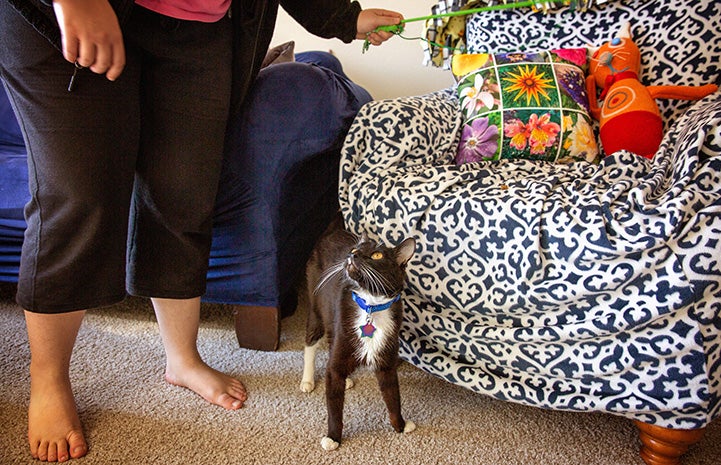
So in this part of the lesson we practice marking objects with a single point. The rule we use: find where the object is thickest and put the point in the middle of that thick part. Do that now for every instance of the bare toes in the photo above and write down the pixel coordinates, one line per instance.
(41, 451)
(238, 392)
(229, 402)
(62, 452)
(53, 452)
(77, 445)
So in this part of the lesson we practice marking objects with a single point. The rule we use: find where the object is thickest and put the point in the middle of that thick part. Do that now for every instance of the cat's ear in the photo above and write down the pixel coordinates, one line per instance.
(363, 237)
(405, 250)
(625, 30)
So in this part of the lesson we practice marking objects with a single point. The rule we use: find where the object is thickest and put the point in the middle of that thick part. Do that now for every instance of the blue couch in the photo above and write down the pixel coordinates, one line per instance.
(278, 189)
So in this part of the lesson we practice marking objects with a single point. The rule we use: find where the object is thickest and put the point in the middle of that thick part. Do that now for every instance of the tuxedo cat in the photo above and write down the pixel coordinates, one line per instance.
(354, 287)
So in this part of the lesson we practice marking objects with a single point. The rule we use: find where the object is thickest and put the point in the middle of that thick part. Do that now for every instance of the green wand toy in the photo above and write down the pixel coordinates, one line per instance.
(398, 28)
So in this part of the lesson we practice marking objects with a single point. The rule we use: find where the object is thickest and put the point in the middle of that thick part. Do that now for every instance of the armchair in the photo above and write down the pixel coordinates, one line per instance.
(581, 286)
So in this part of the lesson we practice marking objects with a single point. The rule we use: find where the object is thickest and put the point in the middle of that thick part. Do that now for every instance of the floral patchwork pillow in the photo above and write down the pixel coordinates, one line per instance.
(525, 105)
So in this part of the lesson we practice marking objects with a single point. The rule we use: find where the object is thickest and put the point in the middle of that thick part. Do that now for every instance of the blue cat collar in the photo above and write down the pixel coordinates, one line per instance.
(374, 308)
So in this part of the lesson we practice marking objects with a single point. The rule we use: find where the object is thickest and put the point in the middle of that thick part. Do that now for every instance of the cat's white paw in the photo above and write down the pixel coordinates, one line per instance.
(349, 383)
(307, 386)
(410, 426)
(328, 444)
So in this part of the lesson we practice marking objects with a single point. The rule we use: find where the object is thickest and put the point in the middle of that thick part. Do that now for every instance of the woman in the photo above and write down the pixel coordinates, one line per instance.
(123, 106)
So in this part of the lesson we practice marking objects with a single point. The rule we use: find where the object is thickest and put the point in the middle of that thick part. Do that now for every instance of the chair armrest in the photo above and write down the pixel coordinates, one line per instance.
(700, 121)
(418, 130)
(391, 139)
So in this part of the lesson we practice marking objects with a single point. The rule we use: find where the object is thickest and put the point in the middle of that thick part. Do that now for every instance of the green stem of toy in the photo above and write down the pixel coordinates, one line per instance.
(398, 28)
(500, 6)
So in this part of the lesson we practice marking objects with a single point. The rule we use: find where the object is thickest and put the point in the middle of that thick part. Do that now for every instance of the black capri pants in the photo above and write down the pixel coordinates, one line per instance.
(123, 175)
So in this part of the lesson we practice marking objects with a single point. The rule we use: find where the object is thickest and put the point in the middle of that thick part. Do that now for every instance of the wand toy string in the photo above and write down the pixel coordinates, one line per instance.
(398, 28)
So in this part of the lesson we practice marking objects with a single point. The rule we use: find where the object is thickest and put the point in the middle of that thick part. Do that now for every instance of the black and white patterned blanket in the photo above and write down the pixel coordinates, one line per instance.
(575, 287)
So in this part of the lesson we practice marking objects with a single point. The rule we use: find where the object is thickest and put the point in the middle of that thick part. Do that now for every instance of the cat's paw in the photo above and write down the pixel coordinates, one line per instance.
(307, 386)
(349, 383)
(410, 426)
(328, 444)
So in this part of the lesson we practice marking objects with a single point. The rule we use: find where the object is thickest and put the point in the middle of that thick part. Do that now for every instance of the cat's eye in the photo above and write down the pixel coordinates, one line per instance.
(377, 255)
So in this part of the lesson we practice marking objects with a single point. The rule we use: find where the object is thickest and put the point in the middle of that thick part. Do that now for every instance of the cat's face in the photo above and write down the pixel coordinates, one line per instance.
(378, 269)
(617, 55)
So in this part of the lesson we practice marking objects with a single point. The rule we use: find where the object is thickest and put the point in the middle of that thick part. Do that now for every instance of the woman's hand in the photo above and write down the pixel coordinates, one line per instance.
(370, 19)
(91, 35)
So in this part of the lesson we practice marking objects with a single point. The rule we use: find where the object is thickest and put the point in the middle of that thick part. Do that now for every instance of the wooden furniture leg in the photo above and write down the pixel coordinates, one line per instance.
(257, 328)
(664, 446)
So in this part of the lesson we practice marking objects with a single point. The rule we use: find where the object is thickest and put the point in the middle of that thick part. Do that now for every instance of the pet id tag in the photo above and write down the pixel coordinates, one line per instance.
(367, 329)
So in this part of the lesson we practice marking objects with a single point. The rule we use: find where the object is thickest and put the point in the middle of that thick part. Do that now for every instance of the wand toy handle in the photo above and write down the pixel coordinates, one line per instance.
(393, 28)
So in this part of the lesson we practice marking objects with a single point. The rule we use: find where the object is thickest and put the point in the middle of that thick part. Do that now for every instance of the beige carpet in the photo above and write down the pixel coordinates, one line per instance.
(132, 416)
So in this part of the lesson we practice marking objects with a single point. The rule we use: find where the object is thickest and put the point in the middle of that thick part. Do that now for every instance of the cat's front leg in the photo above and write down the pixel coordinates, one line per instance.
(388, 383)
(335, 383)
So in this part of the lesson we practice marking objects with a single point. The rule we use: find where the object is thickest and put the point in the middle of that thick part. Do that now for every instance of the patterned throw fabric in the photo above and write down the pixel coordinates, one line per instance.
(573, 287)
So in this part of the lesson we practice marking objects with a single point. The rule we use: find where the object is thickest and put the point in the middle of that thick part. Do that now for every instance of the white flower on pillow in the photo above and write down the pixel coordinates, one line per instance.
(581, 142)
(477, 96)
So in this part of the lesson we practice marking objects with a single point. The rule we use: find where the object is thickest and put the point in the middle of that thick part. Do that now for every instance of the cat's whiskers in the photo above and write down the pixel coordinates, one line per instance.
(603, 58)
(328, 274)
(378, 284)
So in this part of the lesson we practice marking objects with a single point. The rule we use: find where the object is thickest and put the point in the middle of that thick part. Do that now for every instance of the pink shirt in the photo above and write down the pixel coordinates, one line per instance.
(191, 10)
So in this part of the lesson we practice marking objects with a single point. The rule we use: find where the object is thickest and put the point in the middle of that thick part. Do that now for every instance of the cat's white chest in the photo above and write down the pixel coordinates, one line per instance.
(371, 346)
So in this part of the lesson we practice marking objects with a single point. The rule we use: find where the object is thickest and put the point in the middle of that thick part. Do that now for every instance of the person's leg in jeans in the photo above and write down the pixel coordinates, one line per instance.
(185, 95)
(74, 247)
(82, 150)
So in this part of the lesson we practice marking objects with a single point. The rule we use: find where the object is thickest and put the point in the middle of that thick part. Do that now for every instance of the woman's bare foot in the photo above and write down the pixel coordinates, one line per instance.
(212, 385)
(178, 320)
(54, 430)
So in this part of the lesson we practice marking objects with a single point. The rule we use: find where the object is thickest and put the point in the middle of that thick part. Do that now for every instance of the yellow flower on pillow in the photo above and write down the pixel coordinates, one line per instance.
(465, 63)
(529, 82)
(582, 141)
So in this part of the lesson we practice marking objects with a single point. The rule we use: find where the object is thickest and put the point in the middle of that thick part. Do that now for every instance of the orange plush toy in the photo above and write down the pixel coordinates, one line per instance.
(629, 116)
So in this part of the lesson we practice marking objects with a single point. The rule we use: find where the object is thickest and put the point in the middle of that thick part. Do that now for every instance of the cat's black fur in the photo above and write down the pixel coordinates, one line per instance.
(340, 264)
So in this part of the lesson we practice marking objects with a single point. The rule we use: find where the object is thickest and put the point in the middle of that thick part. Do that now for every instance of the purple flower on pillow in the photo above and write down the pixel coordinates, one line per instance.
(572, 81)
(479, 141)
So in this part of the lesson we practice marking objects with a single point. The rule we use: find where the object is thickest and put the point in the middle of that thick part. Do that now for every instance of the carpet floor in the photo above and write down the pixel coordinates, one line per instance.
(132, 416)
